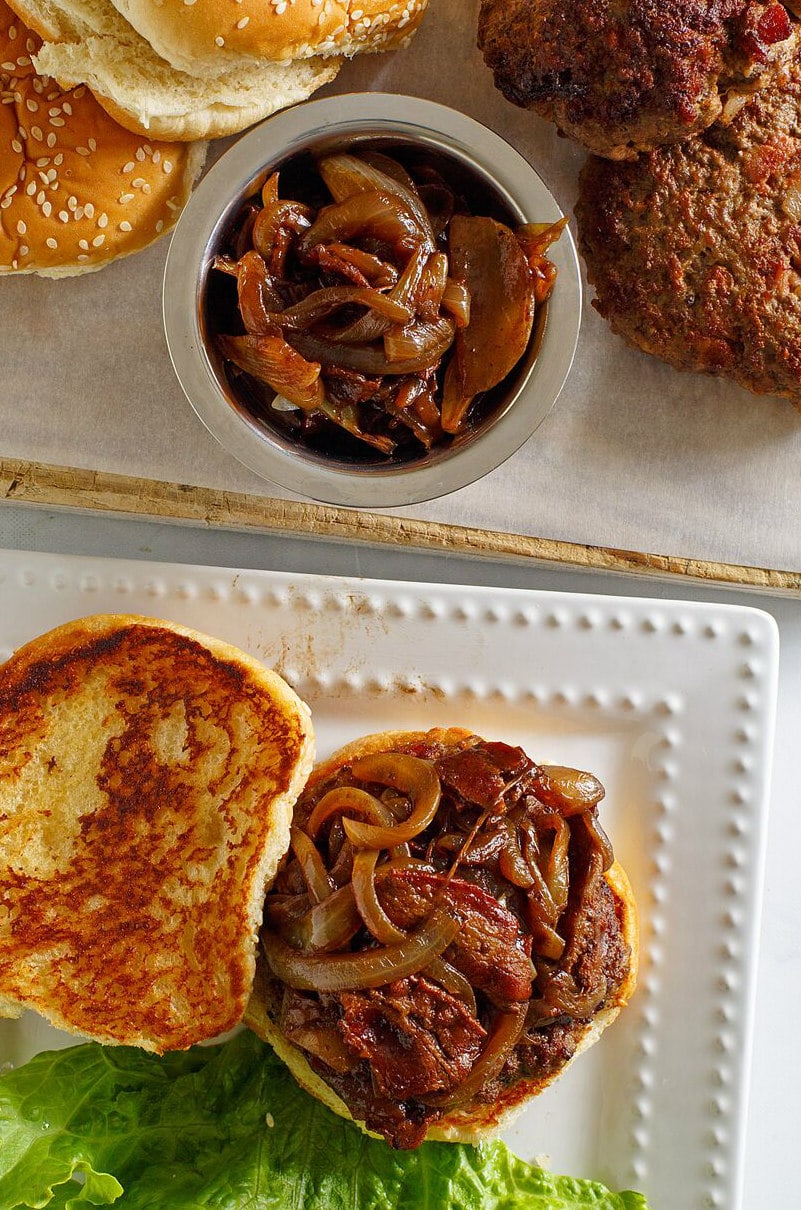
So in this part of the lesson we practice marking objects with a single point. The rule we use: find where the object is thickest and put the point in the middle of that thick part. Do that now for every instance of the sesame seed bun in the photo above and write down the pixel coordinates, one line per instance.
(76, 189)
(212, 35)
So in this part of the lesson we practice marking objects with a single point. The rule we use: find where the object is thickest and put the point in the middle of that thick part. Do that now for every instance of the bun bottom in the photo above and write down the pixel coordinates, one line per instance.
(480, 1121)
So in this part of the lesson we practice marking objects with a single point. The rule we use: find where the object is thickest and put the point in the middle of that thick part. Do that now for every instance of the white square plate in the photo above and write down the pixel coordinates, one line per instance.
(671, 704)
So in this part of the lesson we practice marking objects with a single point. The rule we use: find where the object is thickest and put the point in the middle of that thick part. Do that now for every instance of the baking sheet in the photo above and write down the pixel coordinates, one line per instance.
(634, 455)
(671, 703)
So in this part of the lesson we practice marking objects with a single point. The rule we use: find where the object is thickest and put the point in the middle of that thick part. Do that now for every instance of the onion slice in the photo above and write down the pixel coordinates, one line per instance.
(353, 799)
(370, 909)
(371, 968)
(417, 778)
(490, 1062)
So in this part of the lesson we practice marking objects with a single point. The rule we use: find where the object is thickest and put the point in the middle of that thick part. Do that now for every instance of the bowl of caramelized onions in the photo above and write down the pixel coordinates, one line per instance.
(372, 300)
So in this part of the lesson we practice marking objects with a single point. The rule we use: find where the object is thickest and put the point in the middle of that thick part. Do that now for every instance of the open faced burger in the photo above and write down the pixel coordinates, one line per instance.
(448, 931)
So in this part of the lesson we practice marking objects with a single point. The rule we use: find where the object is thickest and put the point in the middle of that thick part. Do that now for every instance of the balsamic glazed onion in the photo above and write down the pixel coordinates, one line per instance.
(388, 309)
(445, 898)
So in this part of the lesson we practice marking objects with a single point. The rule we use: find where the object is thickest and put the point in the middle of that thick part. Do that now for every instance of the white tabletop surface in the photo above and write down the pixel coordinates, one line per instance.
(634, 455)
(773, 1158)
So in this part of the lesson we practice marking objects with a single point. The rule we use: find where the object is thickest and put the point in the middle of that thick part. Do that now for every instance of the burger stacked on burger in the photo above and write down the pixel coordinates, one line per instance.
(443, 926)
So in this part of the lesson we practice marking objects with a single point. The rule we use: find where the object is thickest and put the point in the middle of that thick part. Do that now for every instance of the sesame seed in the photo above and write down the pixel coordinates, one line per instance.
(57, 122)
(72, 202)
(280, 7)
(242, 22)
(82, 256)
(59, 159)
(89, 210)
(145, 187)
(51, 138)
(125, 226)
(16, 146)
(63, 216)
(219, 40)
(67, 109)
(37, 133)
(47, 209)
(157, 156)
(51, 243)
(31, 188)
(82, 243)
(21, 227)
(6, 202)
(129, 167)
(79, 92)
(102, 220)
(125, 197)
(168, 166)
(82, 150)
(8, 66)
(24, 250)
(98, 241)
(40, 197)
(92, 144)
(78, 214)
(160, 226)
(138, 182)
(31, 106)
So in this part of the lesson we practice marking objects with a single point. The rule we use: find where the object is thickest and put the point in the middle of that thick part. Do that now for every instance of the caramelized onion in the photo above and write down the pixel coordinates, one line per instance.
(600, 839)
(332, 923)
(321, 303)
(346, 175)
(561, 993)
(371, 359)
(568, 791)
(270, 359)
(375, 918)
(311, 864)
(453, 981)
(508, 1028)
(370, 968)
(375, 214)
(354, 800)
(326, 1044)
(417, 778)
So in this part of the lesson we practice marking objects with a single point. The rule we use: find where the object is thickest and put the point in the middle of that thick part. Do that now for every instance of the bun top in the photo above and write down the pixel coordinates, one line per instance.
(76, 190)
(147, 779)
(211, 34)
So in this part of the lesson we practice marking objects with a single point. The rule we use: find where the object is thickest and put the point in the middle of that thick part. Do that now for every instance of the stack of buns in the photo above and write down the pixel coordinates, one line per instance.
(181, 71)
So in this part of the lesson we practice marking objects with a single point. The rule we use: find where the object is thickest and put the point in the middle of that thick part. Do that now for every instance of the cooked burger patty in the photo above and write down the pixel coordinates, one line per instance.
(628, 75)
(539, 950)
(694, 250)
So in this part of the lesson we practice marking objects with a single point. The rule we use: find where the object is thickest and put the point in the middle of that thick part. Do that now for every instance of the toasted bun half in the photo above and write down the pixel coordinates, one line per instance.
(76, 189)
(482, 1116)
(214, 35)
(147, 779)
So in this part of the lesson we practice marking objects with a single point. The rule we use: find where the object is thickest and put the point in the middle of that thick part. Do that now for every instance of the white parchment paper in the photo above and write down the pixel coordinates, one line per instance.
(635, 455)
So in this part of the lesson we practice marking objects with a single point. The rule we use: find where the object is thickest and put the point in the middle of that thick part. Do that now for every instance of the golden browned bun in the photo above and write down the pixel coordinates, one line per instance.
(147, 779)
(478, 1119)
(89, 42)
(76, 190)
(213, 35)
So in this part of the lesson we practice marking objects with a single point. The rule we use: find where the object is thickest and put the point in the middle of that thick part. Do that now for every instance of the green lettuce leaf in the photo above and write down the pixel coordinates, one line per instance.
(226, 1127)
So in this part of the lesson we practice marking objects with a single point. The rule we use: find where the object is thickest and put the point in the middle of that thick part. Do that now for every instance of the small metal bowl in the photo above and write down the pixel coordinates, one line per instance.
(529, 391)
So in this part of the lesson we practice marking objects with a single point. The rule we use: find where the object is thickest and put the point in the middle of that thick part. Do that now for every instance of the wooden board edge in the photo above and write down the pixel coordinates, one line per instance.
(34, 483)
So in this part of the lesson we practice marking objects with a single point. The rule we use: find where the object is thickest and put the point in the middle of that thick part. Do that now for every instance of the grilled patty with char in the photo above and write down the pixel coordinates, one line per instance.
(694, 250)
(624, 76)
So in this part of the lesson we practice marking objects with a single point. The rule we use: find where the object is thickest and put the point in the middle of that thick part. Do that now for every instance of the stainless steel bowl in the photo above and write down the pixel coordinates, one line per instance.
(323, 125)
